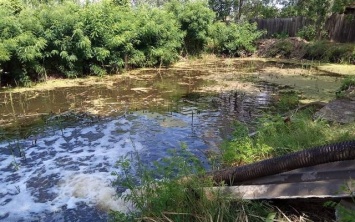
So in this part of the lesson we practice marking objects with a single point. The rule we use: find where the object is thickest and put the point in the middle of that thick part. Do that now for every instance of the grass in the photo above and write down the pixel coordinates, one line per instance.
(173, 190)
(347, 83)
(277, 135)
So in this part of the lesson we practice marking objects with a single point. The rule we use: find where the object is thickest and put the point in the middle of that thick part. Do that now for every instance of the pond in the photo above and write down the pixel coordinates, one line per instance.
(60, 145)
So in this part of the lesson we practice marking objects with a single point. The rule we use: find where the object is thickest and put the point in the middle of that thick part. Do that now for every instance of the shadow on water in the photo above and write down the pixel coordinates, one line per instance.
(62, 172)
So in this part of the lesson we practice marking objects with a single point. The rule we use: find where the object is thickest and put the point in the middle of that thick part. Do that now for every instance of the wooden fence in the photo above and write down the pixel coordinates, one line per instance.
(341, 27)
(282, 26)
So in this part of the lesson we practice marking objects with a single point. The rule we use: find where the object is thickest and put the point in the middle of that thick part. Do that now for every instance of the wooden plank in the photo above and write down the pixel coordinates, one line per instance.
(321, 181)
(318, 189)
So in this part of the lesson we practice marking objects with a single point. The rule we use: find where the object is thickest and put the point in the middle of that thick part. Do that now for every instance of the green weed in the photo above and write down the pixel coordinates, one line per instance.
(346, 84)
(330, 52)
(345, 213)
(277, 135)
(173, 190)
(282, 48)
(288, 100)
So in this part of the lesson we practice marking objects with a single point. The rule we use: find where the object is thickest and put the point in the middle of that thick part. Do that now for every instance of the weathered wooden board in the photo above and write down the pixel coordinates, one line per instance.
(320, 181)
(340, 27)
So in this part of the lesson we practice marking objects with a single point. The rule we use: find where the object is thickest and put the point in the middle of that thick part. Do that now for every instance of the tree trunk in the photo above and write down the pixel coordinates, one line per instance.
(240, 5)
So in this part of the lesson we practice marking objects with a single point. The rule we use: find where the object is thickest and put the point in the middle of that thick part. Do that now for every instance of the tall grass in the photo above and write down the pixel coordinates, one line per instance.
(173, 190)
(277, 135)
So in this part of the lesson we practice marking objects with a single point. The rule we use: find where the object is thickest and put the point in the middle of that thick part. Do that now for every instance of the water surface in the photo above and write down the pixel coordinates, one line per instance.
(62, 172)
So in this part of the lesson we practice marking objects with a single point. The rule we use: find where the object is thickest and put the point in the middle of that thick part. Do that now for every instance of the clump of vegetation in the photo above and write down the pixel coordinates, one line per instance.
(173, 189)
(242, 149)
(308, 33)
(348, 82)
(277, 135)
(73, 40)
(344, 212)
(70, 39)
(287, 100)
(234, 39)
(330, 52)
(195, 18)
(282, 35)
(282, 48)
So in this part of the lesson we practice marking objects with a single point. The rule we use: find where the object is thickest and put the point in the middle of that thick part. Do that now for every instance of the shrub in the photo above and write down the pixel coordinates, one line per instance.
(242, 149)
(74, 40)
(282, 48)
(330, 52)
(158, 38)
(233, 39)
(347, 83)
(282, 35)
(307, 32)
(288, 100)
(195, 19)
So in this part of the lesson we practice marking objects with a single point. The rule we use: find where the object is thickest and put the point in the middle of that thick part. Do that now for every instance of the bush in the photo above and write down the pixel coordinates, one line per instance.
(347, 83)
(307, 32)
(282, 48)
(21, 46)
(233, 39)
(195, 19)
(330, 52)
(158, 38)
(242, 149)
(75, 40)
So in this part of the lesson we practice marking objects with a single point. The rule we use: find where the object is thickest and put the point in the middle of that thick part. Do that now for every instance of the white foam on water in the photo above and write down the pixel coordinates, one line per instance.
(94, 189)
(65, 171)
(62, 174)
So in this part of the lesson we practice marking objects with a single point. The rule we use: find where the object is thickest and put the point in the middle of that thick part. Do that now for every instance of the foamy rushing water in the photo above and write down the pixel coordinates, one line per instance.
(66, 177)
(64, 171)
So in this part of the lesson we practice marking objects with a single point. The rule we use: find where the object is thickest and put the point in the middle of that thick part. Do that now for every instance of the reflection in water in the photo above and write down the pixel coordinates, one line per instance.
(104, 99)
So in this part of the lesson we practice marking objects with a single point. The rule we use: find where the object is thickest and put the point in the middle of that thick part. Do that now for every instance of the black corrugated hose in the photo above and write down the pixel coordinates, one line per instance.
(305, 158)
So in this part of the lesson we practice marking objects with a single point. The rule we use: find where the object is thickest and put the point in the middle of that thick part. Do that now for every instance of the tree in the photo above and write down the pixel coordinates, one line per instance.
(234, 39)
(195, 19)
(222, 8)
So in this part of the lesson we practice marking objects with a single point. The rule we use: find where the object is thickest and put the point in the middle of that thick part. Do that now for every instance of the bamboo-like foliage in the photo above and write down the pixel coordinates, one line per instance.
(71, 39)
